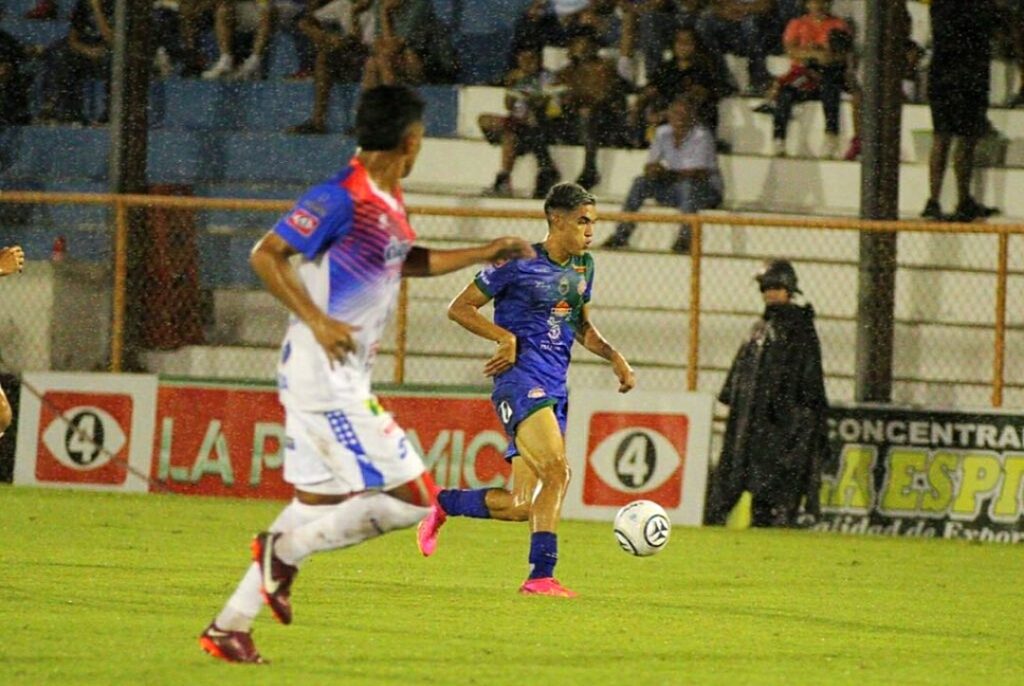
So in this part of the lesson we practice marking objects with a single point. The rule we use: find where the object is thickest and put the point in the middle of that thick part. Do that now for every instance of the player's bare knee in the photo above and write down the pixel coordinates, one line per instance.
(555, 473)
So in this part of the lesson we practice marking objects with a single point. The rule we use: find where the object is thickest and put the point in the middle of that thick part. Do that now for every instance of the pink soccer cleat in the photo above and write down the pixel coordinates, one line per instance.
(427, 531)
(546, 586)
(276, 577)
(230, 646)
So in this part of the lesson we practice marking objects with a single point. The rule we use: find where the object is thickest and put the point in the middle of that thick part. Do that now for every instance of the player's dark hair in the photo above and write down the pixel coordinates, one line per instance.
(384, 114)
(565, 197)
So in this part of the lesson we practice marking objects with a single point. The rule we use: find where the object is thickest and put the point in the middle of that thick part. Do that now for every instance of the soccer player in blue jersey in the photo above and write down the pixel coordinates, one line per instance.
(336, 261)
(541, 305)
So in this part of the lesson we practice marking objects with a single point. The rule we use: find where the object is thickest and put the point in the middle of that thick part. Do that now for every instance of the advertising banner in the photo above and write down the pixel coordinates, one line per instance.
(86, 431)
(921, 473)
(640, 446)
(224, 439)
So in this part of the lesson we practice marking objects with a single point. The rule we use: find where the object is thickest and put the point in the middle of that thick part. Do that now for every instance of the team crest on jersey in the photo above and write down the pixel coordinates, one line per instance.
(535, 393)
(563, 285)
(303, 221)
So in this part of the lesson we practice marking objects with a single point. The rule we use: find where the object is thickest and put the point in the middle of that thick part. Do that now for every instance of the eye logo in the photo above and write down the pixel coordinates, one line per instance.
(635, 460)
(87, 441)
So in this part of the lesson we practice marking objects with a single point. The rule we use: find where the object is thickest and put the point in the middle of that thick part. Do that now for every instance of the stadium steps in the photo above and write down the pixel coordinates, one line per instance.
(750, 133)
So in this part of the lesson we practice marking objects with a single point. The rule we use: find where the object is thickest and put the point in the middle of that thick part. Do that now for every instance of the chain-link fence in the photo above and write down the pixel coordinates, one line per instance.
(203, 314)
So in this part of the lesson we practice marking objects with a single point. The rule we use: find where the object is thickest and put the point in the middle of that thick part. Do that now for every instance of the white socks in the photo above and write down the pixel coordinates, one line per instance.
(353, 521)
(309, 529)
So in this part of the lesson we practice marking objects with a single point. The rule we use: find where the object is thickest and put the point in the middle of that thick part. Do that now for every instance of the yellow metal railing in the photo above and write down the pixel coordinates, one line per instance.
(700, 226)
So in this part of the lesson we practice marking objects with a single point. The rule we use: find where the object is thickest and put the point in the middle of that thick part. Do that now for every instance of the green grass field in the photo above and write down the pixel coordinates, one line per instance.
(113, 589)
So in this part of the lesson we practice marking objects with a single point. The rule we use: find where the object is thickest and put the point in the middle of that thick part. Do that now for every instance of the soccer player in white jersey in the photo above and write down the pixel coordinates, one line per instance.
(355, 474)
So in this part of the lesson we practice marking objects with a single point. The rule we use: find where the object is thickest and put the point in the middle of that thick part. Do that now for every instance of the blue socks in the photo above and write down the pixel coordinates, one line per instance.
(543, 554)
(461, 503)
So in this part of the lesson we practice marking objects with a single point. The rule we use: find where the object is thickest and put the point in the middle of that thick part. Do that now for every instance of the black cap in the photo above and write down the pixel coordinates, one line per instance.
(778, 274)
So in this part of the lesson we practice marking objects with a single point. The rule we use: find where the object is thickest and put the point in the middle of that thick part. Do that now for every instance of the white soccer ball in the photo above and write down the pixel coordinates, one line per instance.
(642, 528)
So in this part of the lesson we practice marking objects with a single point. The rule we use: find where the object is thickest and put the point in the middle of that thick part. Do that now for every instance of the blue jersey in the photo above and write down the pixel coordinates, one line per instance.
(541, 302)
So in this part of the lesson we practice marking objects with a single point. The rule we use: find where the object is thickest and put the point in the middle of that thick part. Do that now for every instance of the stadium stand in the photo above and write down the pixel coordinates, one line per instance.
(224, 139)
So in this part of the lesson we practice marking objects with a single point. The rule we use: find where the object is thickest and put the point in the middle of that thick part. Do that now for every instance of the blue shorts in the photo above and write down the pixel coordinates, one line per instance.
(514, 402)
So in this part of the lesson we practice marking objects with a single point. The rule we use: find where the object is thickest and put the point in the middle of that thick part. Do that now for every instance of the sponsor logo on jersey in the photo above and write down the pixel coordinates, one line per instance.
(303, 221)
(581, 287)
(535, 393)
(561, 309)
(580, 268)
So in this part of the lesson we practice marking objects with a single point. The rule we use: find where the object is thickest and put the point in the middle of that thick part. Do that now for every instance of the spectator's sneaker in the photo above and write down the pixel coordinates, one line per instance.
(619, 239)
(546, 586)
(682, 244)
(427, 531)
(501, 188)
(853, 152)
(44, 9)
(830, 148)
(546, 178)
(249, 69)
(588, 178)
(230, 646)
(276, 577)
(220, 69)
(306, 128)
(932, 210)
(970, 209)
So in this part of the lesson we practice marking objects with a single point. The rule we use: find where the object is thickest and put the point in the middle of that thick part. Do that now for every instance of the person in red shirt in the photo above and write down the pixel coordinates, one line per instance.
(820, 46)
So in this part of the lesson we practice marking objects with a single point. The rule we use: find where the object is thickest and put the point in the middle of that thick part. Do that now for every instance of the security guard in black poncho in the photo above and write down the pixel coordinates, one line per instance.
(776, 435)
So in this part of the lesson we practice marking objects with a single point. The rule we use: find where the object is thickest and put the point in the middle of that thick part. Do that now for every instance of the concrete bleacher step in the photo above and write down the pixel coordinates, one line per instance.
(273, 105)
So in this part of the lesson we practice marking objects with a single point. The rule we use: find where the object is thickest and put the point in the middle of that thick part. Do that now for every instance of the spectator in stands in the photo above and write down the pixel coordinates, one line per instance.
(537, 27)
(15, 83)
(249, 17)
(593, 103)
(43, 10)
(70, 62)
(691, 72)
(681, 171)
(525, 128)
(658, 21)
(820, 46)
(958, 87)
(1012, 34)
(777, 433)
(413, 46)
(342, 32)
(740, 27)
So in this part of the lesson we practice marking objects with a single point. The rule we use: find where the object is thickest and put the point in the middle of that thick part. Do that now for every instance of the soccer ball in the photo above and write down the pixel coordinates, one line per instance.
(642, 528)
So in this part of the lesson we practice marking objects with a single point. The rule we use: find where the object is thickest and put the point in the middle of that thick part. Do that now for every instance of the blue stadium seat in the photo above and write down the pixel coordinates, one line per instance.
(34, 32)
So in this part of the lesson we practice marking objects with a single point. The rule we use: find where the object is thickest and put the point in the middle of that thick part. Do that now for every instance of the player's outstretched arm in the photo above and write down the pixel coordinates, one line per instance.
(591, 339)
(12, 260)
(270, 260)
(431, 262)
(465, 311)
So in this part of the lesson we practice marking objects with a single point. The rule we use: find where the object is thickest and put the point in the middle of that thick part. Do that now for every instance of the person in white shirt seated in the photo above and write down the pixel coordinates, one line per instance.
(681, 171)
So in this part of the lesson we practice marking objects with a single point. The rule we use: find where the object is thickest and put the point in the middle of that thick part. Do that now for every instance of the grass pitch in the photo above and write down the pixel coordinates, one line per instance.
(114, 589)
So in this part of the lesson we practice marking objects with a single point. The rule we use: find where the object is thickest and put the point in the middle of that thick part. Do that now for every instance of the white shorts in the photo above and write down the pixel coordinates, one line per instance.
(346, 451)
